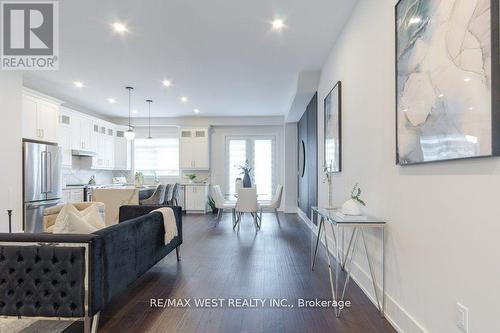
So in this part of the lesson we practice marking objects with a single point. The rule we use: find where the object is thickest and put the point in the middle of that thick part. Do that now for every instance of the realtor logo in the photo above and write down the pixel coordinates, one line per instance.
(29, 35)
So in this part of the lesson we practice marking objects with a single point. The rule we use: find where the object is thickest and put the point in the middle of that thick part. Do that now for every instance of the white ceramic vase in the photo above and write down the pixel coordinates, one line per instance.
(351, 207)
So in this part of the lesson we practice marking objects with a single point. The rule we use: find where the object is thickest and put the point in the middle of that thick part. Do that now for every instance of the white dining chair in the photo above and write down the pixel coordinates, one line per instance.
(274, 203)
(238, 183)
(221, 204)
(247, 203)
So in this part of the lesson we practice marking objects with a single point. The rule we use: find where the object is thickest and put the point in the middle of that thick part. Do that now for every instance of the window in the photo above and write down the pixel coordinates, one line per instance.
(237, 156)
(263, 166)
(260, 155)
(160, 156)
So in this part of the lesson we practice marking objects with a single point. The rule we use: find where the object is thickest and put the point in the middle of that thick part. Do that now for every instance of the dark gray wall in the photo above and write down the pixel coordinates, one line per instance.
(308, 133)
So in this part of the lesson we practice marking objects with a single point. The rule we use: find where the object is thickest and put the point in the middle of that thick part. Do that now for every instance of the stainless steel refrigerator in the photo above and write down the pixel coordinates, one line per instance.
(42, 182)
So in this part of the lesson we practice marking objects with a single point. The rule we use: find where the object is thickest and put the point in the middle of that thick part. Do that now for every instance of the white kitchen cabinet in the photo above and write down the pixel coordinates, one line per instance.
(64, 138)
(72, 195)
(96, 143)
(99, 137)
(103, 141)
(77, 195)
(86, 133)
(45, 120)
(122, 151)
(109, 152)
(40, 117)
(81, 133)
(48, 119)
(195, 198)
(66, 196)
(194, 149)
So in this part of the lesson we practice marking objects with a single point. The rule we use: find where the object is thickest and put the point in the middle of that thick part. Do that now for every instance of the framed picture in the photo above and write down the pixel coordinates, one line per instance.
(333, 131)
(446, 95)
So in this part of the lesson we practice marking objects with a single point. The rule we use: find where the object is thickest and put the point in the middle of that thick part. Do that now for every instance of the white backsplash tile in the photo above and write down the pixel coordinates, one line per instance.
(81, 172)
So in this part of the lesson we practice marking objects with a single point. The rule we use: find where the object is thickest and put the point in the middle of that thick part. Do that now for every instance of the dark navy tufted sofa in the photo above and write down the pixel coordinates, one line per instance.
(74, 275)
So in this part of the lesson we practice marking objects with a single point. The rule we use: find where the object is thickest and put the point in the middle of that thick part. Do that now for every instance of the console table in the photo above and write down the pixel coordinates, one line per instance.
(344, 260)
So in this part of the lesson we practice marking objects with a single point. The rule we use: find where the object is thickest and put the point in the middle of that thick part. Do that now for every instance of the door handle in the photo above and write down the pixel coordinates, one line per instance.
(43, 167)
(42, 204)
(49, 173)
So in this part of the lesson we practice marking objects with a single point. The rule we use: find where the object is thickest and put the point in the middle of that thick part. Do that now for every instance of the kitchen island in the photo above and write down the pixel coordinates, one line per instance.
(117, 196)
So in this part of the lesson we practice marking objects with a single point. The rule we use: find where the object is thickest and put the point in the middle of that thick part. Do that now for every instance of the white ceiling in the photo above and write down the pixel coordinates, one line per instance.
(222, 54)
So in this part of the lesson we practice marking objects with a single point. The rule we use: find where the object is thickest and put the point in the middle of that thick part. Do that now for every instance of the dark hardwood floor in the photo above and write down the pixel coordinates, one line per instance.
(222, 263)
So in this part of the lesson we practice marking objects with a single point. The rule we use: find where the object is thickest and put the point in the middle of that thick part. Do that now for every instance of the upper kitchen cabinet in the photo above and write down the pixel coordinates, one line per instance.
(103, 141)
(123, 159)
(64, 137)
(109, 148)
(40, 116)
(194, 149)
(81, 133)
(98, 132)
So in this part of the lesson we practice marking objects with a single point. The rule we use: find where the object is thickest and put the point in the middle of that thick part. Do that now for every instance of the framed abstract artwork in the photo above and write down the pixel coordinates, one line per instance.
(333, 128)
(446, 73)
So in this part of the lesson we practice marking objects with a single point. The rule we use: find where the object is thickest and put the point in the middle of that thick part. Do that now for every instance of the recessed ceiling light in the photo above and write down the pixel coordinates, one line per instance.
(441, 95)
(184, 99)
(467, 79)
(196, 111)
(278, 24)
(166, 83)
(111, 100)
(134, 111)
(119, 27)
(78, 84)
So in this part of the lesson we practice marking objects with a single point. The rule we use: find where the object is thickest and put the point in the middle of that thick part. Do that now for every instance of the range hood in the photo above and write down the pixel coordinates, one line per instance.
(83, 153)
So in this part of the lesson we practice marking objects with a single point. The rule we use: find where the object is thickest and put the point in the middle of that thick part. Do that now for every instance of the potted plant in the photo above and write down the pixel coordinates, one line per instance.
(190, 176)
(245, 171)
(139, 178)
(211, 204)
(353, 205)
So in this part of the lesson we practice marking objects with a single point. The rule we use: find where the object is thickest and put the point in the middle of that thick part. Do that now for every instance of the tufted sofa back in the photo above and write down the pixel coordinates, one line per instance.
(43, 275)
(48, 275)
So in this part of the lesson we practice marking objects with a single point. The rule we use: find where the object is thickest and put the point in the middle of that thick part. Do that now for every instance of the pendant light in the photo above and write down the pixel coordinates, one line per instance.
(129, 135)
(149, 101)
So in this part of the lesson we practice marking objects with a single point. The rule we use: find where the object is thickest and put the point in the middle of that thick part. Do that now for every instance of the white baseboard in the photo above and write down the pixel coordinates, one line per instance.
(396, 315)
(304, 217)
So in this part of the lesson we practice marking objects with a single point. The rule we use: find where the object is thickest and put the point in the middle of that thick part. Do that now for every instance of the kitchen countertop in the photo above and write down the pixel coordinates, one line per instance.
(74, 187)
(125, 186)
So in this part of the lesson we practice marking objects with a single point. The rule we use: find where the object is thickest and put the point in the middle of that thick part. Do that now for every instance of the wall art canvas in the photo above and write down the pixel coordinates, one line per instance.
(333, 111)
(444, 80)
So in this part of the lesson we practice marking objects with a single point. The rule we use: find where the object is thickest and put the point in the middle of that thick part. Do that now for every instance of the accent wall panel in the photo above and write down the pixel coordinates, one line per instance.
(308, 157)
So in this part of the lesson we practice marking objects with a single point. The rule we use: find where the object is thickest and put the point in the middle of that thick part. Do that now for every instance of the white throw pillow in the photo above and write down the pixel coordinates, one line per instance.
(92, 216)
(70, 220)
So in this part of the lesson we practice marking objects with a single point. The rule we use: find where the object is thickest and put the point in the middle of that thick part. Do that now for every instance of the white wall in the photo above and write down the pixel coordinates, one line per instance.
(444, 228)
(11, 149)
